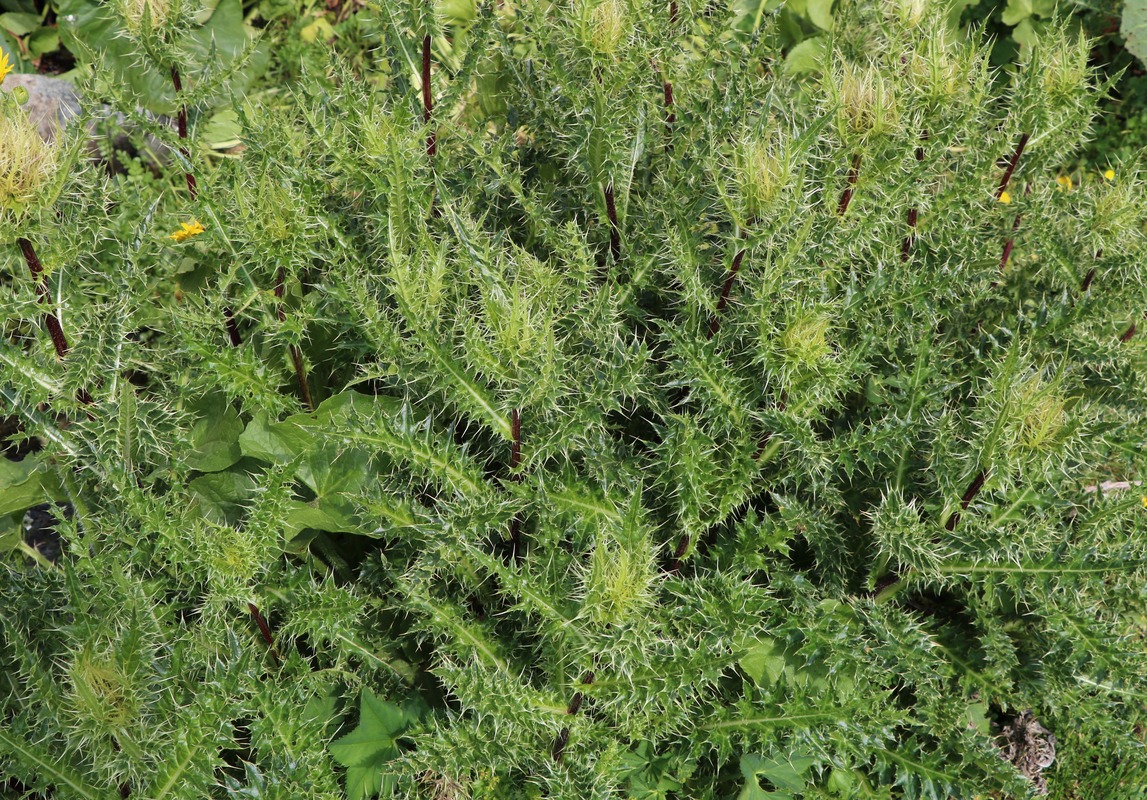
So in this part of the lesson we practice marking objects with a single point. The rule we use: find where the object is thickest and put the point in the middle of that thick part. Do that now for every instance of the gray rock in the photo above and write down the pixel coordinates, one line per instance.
(51, 101)
(54, 102)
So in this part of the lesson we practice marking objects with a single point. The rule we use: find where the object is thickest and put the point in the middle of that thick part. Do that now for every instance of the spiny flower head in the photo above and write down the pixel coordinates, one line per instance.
(27, 162)
(762, 168)
(158, 13)
(866, 98)
(606, 26)
(187, 230)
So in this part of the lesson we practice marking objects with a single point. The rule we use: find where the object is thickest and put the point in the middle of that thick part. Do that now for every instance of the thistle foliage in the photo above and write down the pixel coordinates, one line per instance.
(802, 505)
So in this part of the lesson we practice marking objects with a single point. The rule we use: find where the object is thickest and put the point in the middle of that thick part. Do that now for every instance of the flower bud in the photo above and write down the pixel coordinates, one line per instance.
(157, 12)
(27, 162)
(867, 100)
(805, 339)
(607, 26)
(762, 170)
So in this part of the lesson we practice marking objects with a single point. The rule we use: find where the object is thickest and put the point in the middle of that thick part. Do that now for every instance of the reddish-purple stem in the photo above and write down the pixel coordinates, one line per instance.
(1127, 334)
(725, 290)
(678, 554)
(1010, 243)
(559, 748)
(969, 495)
(563, 737)
(232, 328)
(673, 12)
(51, 321)
(614, 231)
(853, 176)
(294, 352)
(192, 189)
(1083, 287)
(909, 240)
(264, 630)
(1012, 166)
(427, 99)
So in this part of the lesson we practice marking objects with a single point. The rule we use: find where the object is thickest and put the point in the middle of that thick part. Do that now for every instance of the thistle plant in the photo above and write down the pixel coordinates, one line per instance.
(574, 436)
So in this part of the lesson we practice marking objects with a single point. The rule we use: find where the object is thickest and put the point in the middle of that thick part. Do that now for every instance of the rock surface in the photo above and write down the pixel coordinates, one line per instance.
(51, 101)
(54, 102)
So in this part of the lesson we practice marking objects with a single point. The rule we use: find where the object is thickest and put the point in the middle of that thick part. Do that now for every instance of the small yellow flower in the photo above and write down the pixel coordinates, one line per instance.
(5, 65)
(187, 230)
(1145, 502)
(1064, 182)
(1109, 174)
(1005, 198)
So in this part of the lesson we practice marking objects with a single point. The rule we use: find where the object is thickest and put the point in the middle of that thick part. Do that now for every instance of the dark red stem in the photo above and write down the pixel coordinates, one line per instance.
(192, 189)
(264, 630)
(1012, 166)
(614, 231)
(678, 554)
(294, 352)
(232, 328)
(563, 737)
(853, 176)
(1083, 287)
(51, 322)
(910, 239)
(725, 290)
(969, 495)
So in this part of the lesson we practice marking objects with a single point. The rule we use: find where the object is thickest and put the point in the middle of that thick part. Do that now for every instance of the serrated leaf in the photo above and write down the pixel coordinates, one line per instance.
(808, 56)
(215, 436)
(276, 442)
(21, 484)
(765, 662)
(375, 740)
(786, 774)
(19, 24)
(1016, 11)
(820, 12)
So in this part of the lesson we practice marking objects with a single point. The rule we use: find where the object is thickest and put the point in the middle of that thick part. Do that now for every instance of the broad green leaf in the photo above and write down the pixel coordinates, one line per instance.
(786, 774)
(820, 12)
(21, 484)
(1133, 28)
(1016, 11)
(366, 750)
(328, 470)
(215, 436)
(222, 495)
(43, 40)
(375, 740)
(765, 662)
(808, 56)
(276, 442)
(19, 24)
(223, 131)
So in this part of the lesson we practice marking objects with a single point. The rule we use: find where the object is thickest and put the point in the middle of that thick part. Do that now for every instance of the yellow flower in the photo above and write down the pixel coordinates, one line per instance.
(5, 65)
(1005, 198)
(1109, 174)
(1064, 182)
(1145, 502)
(187, 230)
